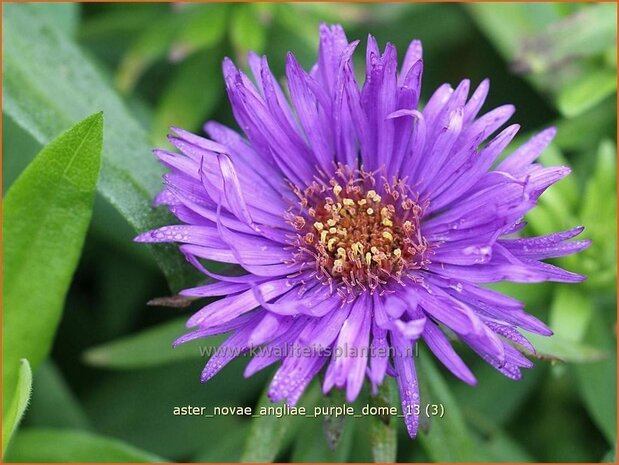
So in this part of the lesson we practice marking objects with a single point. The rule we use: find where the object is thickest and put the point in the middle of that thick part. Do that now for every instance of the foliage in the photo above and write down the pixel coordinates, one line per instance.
(75, 287)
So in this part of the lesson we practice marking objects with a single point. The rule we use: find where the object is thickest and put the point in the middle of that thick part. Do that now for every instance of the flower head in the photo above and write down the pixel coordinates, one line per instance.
(363, 222)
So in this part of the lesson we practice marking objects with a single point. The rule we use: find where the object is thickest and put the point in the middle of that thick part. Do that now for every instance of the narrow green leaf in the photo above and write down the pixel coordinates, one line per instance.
(62, 445)
(10, 421)
(45, 99)
(584, 132)
(570, 316)
(268, 434)
(558, 348)
(45, 218)
(148, 348)
(190, 96)
(448, 438)
(587, 92)
(383, 429)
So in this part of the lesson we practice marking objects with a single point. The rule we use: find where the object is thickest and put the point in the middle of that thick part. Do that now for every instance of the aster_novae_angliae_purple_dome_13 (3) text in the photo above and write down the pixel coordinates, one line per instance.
(361, 221)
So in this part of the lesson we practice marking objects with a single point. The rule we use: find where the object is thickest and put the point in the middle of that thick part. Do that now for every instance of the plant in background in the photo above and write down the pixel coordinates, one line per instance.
(364, 224)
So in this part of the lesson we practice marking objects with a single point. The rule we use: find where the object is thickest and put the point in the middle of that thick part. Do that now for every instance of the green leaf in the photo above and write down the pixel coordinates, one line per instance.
(566, 188)
(10, 421)
(584, 132)
(588, 31)
(587, 92)
(18, 149)
(507, 24)
(153, 43)
(556, 208)
(559, 349)
(148, 348)
(53, 404)
(495, 390)
(597, 381)
(144, 399)
(570, 313)
(610, 456)
(599, 213)
(228, 449)
(246, 31)
(311, 445)
(62, 445)
(63, 15)
(497, 445)
(560, 55)
(383, 429)
(45, 99)
(45, 218)
(190, 96)
(268, 434)
(334, 425)
(203, 29)
(448, 438)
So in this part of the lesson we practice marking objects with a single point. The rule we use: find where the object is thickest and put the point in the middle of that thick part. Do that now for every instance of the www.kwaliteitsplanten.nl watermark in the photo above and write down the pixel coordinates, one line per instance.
(297, 350)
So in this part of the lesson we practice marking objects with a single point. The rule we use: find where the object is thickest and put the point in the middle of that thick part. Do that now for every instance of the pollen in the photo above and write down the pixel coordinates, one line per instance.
(369, 237)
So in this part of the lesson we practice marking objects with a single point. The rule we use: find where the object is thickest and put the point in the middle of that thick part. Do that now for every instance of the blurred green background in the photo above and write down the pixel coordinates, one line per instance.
(106, 389)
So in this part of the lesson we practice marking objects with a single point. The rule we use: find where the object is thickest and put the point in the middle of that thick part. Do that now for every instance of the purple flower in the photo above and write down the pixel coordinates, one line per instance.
(364, 223)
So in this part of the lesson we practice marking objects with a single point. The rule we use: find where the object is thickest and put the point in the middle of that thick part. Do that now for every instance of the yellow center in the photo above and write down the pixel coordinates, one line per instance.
(356, 238)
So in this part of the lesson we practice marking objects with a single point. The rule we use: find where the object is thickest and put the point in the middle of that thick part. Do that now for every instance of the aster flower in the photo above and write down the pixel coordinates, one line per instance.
(362, 222)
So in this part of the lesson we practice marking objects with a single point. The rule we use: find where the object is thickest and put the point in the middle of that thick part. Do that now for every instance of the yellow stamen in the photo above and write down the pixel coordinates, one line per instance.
(331, 243)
